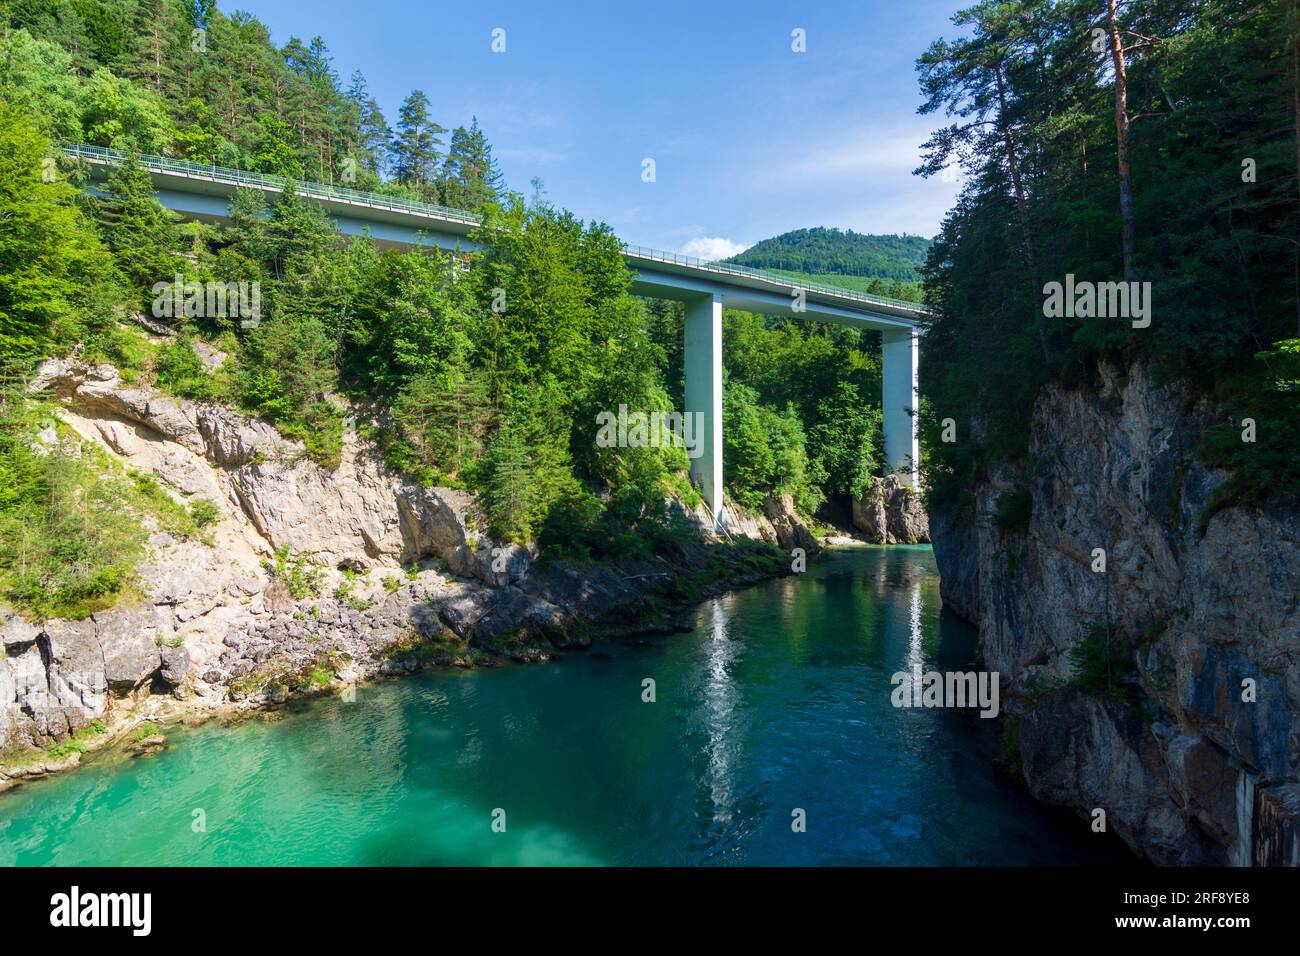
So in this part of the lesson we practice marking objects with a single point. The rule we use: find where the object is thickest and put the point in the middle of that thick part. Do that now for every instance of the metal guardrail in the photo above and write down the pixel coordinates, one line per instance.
(731, 268)
(241, 177)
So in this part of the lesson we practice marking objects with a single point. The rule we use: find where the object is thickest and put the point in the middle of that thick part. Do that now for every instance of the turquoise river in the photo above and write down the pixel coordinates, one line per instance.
(777, 701)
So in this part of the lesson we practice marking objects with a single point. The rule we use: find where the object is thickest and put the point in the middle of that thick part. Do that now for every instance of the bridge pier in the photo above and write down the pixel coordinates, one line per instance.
(702, 367)
(703, 386)
(898, 401)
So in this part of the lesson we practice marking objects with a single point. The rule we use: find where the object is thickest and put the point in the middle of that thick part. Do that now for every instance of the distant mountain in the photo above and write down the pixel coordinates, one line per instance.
(822, 251)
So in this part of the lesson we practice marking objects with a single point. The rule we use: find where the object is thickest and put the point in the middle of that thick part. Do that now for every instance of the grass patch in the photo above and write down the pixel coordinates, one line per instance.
(345, 592)
(73, 521)
(78, 743)
(303, 578)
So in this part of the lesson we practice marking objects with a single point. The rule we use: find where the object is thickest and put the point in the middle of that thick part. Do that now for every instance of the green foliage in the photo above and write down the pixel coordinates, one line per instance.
(302, 577)
(140, 232)
(415, 147)
(839, 252)
(56, 281)
(204, 512)
(891, 288)
(1013, 510)
(79, 742)
(345, 592)
(763, 451)
(1102, 665)
(179, 371)
(72, 523)
(1216, 84)
(828, 378)
(1267, 393)
(470, 177)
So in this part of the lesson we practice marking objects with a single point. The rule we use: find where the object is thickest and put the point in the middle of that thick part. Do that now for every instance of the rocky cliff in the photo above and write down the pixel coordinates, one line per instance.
(890, 512)
(1148, 640)
(307, 580)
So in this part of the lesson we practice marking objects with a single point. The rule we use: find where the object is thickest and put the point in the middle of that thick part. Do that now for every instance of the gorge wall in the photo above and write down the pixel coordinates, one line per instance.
(1199, 603)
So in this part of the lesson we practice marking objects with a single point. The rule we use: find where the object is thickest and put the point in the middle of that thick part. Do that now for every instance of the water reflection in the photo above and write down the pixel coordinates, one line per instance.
(721, 698)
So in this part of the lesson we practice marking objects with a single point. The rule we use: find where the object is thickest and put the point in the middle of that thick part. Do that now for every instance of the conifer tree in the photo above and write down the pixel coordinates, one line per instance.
(141, 233)
(415, 150)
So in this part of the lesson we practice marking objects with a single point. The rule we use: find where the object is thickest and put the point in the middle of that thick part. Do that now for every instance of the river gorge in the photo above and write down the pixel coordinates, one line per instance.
(777, 700)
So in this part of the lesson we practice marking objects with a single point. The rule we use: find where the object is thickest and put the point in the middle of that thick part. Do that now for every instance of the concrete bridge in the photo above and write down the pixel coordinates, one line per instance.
(203, 193)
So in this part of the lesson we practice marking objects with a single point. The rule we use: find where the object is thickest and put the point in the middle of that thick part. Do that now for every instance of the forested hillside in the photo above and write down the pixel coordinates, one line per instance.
(839, 251)
(879, 265)
(183, 78)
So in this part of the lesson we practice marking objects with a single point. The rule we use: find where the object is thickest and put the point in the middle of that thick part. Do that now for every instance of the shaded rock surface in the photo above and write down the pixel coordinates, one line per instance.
(1200, 603)
(891, 512)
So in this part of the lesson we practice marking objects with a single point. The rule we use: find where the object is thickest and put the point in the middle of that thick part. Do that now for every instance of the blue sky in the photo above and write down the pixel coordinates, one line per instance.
(749, 138)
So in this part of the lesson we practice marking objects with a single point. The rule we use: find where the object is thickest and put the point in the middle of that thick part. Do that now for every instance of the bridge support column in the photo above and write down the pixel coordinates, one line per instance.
(899, 402)
(703, 375)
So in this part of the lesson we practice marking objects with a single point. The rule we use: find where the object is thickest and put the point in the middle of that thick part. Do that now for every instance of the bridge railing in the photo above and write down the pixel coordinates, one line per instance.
(242, 177)
(677, 258)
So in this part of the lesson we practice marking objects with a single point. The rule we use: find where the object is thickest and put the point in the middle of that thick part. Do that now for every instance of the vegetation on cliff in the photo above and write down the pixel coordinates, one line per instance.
(1172, 158)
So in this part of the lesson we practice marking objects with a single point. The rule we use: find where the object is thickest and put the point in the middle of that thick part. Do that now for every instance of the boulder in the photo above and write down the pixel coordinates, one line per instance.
(129, 645)
(889, 511)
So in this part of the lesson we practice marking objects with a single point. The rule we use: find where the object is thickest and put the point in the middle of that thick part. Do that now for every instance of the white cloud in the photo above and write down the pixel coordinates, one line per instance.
(710, 248)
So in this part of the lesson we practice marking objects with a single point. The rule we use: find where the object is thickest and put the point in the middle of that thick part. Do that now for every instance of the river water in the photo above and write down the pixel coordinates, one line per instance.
(777, 702)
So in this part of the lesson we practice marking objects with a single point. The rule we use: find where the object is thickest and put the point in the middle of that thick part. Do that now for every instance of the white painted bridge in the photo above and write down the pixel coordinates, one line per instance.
(203, 193)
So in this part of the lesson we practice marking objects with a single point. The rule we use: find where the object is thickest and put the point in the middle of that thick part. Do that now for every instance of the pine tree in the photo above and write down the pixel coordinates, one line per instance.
(52, 267)
(161, 38)
(367, 130)
(470, 176)
(415, 150)
(141, 233)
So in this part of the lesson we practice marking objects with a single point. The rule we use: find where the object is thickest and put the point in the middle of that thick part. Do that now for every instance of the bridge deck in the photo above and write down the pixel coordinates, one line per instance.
(203, 192)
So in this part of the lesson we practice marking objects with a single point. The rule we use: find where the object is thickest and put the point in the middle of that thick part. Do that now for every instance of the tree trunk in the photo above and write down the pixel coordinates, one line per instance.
(1016, 184)
(1295, 111)
(1121, 141)
(1022, 208)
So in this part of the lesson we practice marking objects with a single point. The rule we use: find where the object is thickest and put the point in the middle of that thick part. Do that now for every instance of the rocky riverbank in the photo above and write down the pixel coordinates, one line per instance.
(1164, 689)
(308, 581)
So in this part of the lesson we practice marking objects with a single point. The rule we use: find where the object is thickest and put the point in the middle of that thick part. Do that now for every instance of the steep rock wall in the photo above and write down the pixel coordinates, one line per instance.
(1195, 601)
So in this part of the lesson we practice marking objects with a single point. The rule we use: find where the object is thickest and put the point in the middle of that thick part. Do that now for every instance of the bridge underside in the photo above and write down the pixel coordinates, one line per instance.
(705, 291)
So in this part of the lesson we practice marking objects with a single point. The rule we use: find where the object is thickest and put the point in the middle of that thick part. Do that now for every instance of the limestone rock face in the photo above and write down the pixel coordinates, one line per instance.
(778, 523)
(58, 676)
(1198, 602)
(890, 512)
(360, 514)
(788, 527)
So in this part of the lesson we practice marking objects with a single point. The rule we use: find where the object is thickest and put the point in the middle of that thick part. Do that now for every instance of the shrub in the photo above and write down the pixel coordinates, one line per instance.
(1013, 510)
(1100, 664)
